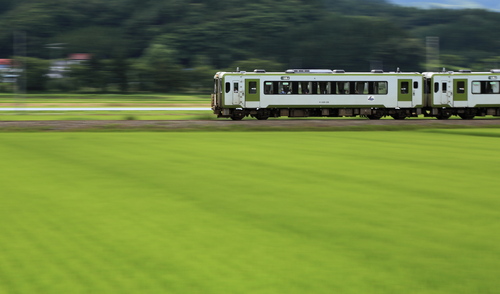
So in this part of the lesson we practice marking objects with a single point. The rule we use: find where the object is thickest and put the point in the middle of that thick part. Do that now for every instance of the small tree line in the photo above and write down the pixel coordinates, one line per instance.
(157, 70)
(148, 74)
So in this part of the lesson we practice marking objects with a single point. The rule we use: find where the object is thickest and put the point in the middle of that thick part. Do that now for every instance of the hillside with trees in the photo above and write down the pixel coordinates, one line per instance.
(171, 45)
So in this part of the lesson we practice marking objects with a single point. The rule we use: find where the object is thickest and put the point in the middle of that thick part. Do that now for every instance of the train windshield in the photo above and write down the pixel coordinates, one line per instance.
(217, 86)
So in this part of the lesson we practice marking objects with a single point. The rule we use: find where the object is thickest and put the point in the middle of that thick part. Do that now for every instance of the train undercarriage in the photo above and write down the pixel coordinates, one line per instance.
(371, 113)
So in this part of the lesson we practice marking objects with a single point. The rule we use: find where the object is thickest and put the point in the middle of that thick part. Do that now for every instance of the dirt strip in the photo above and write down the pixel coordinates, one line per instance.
(247, 124)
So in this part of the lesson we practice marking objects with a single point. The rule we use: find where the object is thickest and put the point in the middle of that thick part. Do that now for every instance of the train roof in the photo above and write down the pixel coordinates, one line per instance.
(341, 71)
(462, 72)
(314, 71)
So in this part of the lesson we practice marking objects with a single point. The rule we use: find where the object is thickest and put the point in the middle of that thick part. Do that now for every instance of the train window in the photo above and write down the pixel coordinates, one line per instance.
(495, 87)
(276, 87)
(228, 87)
(343, 87)
(295, 88)
(461, 87)
(476, 87)
(280, 87)
(268, 87)
(485, 87)
(235, 88)
(404, 87)
(415, 85)
(382, 88)
(253, 87)
(444, 87)
(304, 88)
(352, 87)
(322, 88)
(372, 88)
(360, 87)
(436, 87)
(284, 87)
(314, 88)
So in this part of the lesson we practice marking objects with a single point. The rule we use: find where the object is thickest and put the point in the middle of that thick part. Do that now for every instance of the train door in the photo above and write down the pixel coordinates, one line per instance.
(446, 93)
(460, 89)
(443, 95)
(236, 93)
(405, 92)
(252, 93)
(233, 89)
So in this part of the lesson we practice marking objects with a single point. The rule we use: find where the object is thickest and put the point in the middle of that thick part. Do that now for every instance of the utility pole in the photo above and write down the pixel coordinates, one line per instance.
(19, 48)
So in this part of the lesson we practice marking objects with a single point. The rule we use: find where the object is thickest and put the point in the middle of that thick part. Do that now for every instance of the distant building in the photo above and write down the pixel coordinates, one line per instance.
(60, 68)
(78, 58)
(8, 74)
(6, 63)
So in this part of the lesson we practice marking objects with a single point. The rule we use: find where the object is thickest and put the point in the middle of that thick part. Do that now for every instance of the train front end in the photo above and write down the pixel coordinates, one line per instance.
(216, 97)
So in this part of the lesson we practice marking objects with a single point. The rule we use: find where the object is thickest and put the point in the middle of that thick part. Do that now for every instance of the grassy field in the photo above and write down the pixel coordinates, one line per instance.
(48, 98)
(103, 100)
(205, 212)
(106, 115)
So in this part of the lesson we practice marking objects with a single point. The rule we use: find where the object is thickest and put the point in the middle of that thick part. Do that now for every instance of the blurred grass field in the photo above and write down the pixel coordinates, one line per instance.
(106, 115)
(51, 98)
(249, 212)
(55, 101)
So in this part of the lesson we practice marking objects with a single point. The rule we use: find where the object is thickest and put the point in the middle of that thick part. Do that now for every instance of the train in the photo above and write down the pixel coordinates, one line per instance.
(337, 93)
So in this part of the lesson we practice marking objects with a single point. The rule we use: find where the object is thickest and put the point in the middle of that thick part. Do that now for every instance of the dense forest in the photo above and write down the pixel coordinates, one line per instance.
(166, 45)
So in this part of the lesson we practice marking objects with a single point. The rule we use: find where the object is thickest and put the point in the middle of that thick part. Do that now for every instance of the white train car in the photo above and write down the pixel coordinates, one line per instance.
(315, 93)
(463, 93)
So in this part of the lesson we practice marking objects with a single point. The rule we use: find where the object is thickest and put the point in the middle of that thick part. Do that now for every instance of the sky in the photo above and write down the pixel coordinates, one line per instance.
(451, 4)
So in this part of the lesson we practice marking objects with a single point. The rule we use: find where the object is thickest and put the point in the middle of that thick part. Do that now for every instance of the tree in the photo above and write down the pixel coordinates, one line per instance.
(97, 75)
(352, 43)
(118, 70)
(159, 64)
(347, 34)
(35, 72)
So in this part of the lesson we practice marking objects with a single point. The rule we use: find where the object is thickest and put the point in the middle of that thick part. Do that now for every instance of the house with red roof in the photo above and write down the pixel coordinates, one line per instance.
(78, 58)
(6, 63)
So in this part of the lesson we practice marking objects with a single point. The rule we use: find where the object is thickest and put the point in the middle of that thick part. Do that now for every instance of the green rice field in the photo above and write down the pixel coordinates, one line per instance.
(250, 212)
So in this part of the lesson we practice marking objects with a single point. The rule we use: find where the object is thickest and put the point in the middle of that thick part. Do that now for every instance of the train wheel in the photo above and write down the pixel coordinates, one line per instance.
(443, 116)
(262, 114)
(398, 116)
(374, 116)
(238, 115)
(466, 116)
